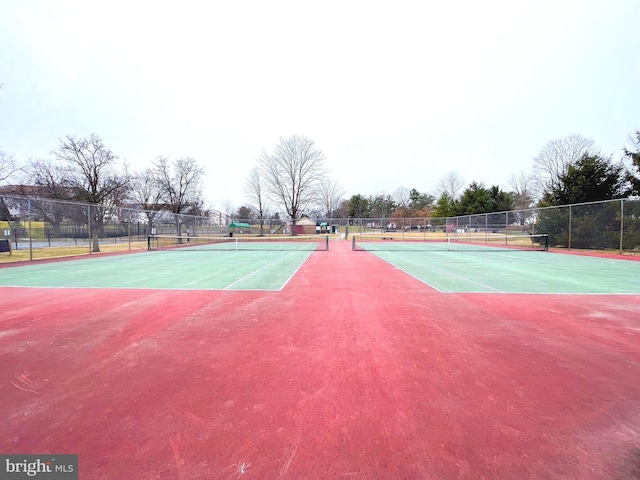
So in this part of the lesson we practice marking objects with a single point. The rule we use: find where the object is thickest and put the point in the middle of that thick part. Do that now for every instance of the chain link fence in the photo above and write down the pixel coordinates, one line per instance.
(41, 228)
(35, 228)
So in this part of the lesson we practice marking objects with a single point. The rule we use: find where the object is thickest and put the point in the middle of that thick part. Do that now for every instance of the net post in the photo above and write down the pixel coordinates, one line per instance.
(149, 242)
(327, 243)
(353, 243)
(546, 242)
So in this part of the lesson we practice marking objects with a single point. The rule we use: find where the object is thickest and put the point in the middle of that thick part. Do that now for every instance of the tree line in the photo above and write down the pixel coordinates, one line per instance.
(84, 169)
(566, 170)
(292, 180)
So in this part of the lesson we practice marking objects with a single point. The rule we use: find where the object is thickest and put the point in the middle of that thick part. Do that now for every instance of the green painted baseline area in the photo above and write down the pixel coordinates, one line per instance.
(183, 270)
(517, 272)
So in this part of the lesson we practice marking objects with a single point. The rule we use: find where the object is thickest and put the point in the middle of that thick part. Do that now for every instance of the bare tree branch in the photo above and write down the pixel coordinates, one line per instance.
(292, 174)
(178, 182)
(91, 168)
(330, 194)
(522, 186)
(554, 159)
(8, 166)
(145, 191)
(255, 193)
(179, 185)
(402, 197)
(451, 185)
(93, 176)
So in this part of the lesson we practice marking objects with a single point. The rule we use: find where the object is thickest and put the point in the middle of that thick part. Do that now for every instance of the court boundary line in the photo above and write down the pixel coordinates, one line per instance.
(286, 282)
(413, 276)
(228, 287)
(373, 254)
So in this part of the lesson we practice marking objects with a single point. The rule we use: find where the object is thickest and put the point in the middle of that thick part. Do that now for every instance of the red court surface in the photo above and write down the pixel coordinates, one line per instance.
(353, 370)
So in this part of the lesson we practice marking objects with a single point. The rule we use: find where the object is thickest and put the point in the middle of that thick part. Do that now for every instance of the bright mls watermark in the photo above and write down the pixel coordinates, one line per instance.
(50, 467)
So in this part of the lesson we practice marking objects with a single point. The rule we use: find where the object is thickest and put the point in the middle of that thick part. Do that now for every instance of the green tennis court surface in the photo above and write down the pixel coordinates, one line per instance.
(186, 269)
(513, 271)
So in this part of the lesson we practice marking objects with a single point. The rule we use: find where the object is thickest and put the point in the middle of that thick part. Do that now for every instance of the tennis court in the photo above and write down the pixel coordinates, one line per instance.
(352, 364)
(175, 263)
(242, 270)
(504, 264)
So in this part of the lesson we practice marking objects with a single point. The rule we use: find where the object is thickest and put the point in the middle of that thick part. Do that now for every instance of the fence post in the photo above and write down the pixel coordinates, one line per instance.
(89, 227)
(621, 224)
(30, 237)
(569, 240)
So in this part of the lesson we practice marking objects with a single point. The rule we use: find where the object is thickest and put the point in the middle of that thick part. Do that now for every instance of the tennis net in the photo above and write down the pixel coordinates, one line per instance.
(464, 242)
(275, 243)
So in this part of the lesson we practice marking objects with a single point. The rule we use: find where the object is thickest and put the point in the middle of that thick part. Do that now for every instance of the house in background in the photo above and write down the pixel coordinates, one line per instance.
(304, 226)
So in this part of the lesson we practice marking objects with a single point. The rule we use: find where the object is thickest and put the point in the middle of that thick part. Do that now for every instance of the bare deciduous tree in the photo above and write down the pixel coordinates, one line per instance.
(179, 184)
(52, 178)
(554, 159)
(93, 176)
(292, 174)
(633, 153)
(402, 197)
(451, 185)
(330, 194)
(8, 166)
(523, 191)
(145, 191)
(255, 193)
(230, 209)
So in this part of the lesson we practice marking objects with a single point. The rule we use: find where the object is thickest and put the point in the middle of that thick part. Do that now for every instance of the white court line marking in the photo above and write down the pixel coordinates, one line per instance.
(266, 265)
(296, 271)
(247, 276)
(471, 281)
(417, 278)
(406, 273)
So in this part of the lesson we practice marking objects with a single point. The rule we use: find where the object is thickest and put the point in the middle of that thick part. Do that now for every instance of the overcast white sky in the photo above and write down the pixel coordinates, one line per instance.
(394, 93)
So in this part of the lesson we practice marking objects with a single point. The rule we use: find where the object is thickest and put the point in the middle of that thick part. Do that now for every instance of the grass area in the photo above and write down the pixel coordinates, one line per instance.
(70, 251)
(38, 229)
